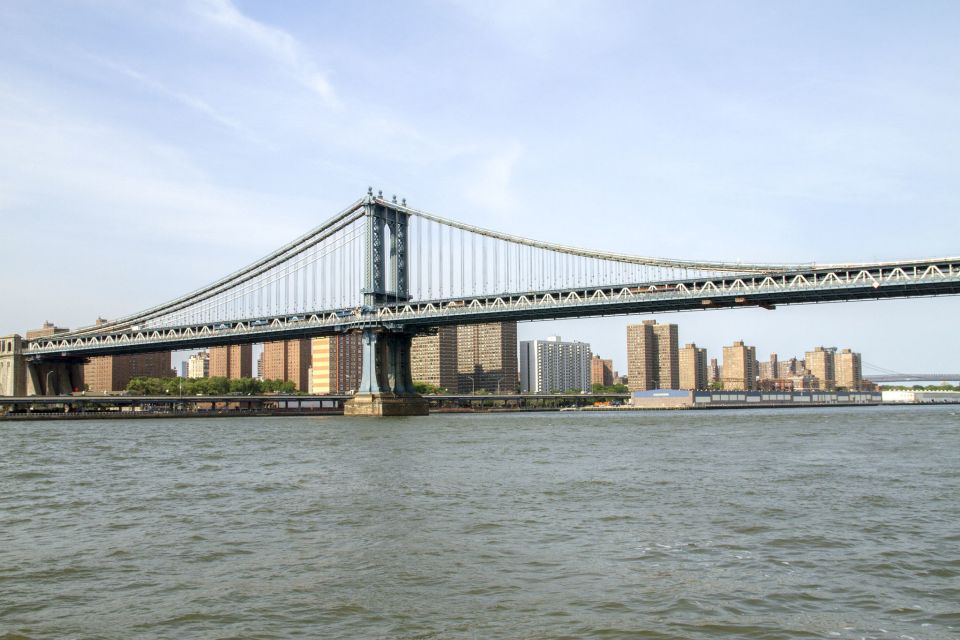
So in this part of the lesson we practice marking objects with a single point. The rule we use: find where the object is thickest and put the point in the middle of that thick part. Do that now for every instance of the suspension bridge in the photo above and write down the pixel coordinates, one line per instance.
(391, 271)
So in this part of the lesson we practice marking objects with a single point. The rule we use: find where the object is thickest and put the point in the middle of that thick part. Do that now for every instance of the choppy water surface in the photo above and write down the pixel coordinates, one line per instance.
(841, 523)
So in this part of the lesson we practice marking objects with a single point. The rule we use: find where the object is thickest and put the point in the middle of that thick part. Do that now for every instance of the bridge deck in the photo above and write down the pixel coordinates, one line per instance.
(911, 279)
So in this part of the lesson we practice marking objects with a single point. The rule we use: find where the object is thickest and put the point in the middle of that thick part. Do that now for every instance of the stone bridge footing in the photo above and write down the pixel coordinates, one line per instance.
(386, 386)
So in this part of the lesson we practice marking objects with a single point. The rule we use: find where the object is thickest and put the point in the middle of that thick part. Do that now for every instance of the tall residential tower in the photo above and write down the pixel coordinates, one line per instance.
(551, 365)
(652, 356)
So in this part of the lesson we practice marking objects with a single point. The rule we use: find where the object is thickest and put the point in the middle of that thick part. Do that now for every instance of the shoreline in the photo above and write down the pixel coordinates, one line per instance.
(161, 415)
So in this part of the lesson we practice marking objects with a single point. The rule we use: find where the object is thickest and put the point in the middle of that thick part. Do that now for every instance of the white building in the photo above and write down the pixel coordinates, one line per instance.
(198, 365)
(553, 365)
(910, 396)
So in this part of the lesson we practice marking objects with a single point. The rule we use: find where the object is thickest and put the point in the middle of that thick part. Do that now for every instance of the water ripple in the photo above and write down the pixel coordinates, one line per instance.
(746, 524)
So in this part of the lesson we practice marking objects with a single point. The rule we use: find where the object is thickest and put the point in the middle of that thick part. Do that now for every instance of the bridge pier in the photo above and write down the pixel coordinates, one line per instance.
(386, 386)
(20, 376)
(54, 377)
(13, 366)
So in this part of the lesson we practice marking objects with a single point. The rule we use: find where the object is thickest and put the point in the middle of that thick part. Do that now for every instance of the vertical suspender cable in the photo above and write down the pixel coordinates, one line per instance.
(483, 262)
(497, 270)
(430, 259)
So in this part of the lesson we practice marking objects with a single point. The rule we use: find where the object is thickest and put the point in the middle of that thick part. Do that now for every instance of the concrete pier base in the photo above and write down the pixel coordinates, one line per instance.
(385, 404)
(386, 387)
(54, 378)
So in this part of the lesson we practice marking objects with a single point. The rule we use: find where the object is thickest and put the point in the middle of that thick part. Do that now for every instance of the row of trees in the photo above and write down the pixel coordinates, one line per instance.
(207, 386)
(252, 386)
(920, 387)
(431, 389)
(610, 388)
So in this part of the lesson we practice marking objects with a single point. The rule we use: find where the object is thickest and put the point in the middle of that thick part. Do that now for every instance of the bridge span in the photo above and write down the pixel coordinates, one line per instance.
(390, 271)
(913, 377)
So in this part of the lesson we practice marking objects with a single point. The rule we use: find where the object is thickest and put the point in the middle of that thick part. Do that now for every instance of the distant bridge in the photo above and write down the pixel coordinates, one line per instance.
(391, 271)
(912, 377)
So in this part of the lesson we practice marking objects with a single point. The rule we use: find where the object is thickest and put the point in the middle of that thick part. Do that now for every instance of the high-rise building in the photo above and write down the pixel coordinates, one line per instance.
(233, 362)
(739, 367)
(260, 366)
(184, 369)
(642, 370)
(693, 367)
(713, 372)
(198, 365)
(48, 329)
(668, 356)
(433, 359)
(653, 356)
(820, 363)
(287, 360)
(849, 372)
(552, 365)
(791, 367)
(770, 370)
(487, 357)
(601, 371)
(114, 373)
(336, 363)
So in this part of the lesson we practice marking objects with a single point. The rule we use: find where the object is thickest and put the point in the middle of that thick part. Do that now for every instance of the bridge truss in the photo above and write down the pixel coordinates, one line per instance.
(380, 263)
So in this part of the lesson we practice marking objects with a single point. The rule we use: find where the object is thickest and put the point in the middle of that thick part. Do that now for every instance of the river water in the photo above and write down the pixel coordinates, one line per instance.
(795, 523)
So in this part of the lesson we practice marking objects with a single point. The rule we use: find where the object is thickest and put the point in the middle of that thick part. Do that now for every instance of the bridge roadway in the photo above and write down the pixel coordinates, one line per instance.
(891, 280)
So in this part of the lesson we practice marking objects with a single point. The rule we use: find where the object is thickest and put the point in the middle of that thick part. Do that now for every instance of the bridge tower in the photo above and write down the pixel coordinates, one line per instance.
(23, 376)
(386, 269)
(13, 366)
(386, 386)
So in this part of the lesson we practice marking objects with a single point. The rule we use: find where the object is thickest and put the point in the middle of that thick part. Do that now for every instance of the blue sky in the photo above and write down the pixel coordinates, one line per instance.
(147, 148)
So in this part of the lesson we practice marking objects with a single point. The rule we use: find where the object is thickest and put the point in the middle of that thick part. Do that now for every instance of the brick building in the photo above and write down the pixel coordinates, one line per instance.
(652, 356)
(487, 357)
(336, 363)
(739, 367)
(433, 359)
(287, 360)
(233, 362)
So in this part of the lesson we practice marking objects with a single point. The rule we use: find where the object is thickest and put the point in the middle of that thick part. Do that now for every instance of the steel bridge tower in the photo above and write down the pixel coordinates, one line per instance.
(386, 384)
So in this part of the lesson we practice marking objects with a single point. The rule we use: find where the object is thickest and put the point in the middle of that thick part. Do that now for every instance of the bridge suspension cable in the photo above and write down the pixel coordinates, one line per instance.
(272, 263)
(391, 253)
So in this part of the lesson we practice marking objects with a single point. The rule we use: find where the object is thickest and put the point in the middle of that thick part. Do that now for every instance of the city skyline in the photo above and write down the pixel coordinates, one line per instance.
(682, 337)
(747, 132)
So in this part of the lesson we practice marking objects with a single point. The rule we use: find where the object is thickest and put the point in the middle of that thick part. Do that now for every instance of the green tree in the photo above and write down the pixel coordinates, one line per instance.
(245, 386)
(612, 388)
(424, 388)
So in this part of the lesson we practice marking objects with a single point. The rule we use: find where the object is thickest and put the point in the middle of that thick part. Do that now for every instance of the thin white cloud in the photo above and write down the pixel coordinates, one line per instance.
(187, 100)
(94, 173)
(276, 43)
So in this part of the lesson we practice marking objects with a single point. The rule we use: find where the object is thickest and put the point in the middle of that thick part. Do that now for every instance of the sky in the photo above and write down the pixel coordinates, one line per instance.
(147, 148)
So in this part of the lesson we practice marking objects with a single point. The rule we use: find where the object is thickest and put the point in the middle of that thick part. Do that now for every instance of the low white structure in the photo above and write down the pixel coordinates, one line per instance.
(910, 396)
(552, 365)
